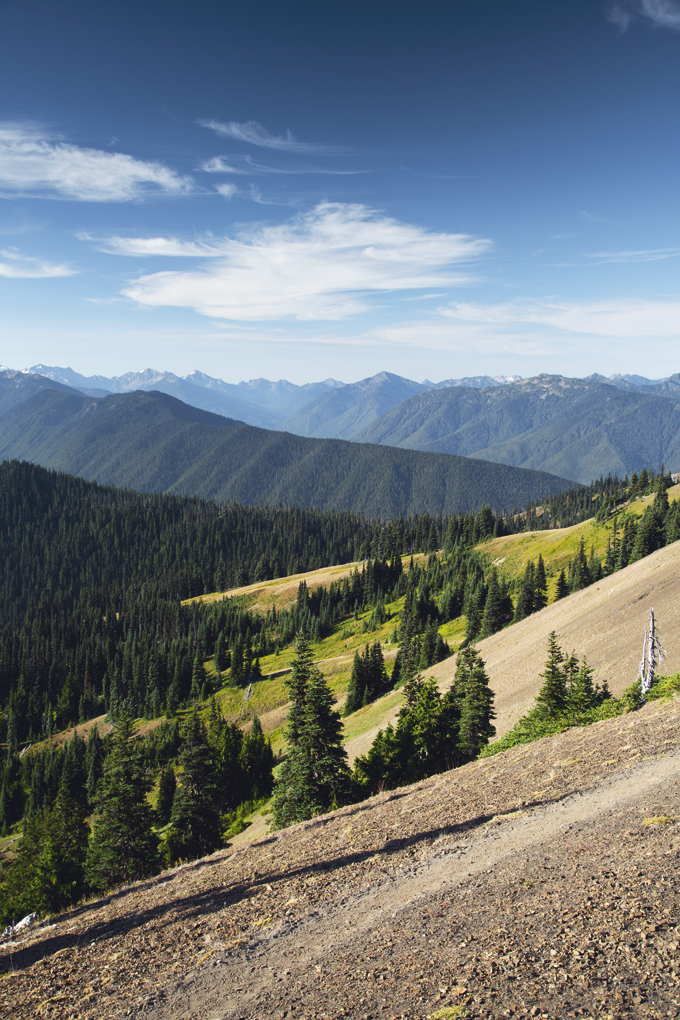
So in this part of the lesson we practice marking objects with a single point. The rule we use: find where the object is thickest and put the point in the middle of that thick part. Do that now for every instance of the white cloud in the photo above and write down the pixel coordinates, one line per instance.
(254, 134)
(27, 267)
(31, 163)
(227, 190)
(664, 13)
(318, 266)
(618, 318)
(642, 255)
(219, 165)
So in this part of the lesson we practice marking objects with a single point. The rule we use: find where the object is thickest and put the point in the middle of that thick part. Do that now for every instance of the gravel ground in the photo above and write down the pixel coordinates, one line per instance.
(540, 882)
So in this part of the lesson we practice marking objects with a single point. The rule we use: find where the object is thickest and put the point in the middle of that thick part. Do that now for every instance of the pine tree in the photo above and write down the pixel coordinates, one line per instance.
(73, 774)
(232, 783)
(475, 699)
(195, 818)
(197, 678)
(219, 657)
(492, 620)
(525, 599)
(257, 762)
(582, 695)
(167, 786)
(540, 586)
(552, 697)
(580, 573)
(321, 745)
(562, 588)
(123, 847)
(94, 762)
(47, 873)
(356, 686)
(475, 612)
(428, 646)
(314, 775)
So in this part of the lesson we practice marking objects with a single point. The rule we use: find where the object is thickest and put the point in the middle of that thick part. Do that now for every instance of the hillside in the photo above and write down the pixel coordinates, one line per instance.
(537, 883)
(154, 443)
(605, 622)
(577, 428)
(15, 387)
(343, 413)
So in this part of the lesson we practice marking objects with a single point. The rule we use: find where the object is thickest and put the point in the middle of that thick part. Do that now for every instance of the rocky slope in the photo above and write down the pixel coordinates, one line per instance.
(541, 882)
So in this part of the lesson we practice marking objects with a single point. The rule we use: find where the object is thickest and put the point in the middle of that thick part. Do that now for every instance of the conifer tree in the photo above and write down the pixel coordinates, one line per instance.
(314, 774)
(562, 588)
(167, 786)
(582, 695)
(123, 846)
(492, 620)
(94, 762)
(228, 744)
(475, 699)
(428, 646)
(551, 700)
(195, 818)
(197, 678)
(475, 612)
(356, 686)
(219, 657)
(257, 762)
(73, 774)
(540, 586)
(47, 873)
(580, 574)
(525, 599)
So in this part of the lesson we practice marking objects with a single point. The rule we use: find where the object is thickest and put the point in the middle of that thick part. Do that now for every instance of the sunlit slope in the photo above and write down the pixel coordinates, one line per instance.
(281, 592)
(511, 553)
(604, 622)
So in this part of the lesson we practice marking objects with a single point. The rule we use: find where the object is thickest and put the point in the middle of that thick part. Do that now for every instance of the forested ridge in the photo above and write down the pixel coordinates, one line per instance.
(92, 579)
(152, 442)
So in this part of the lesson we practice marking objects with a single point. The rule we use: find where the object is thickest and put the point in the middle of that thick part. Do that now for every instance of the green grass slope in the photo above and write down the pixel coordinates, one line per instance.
(152, 442)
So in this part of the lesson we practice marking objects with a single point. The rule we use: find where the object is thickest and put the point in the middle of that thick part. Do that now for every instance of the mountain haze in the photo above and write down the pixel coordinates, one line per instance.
(574, 427)
(152, 442)
(343, 413)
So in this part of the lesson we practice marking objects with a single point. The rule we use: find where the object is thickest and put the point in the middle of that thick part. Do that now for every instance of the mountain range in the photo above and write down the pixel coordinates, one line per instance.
(153, 442)
(574, 428)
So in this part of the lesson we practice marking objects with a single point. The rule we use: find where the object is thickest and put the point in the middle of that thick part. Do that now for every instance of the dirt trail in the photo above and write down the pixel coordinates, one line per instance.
(234, 984)
(541, 882)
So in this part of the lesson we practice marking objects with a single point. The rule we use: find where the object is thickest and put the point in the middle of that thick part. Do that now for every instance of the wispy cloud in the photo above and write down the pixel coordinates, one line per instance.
(620, 318)
(664, 13)
(254, 133)
(643, 255)
(319, 266)
(33, 163)
(170, 247)
(27, 267)
(247, 165)
(227, 190)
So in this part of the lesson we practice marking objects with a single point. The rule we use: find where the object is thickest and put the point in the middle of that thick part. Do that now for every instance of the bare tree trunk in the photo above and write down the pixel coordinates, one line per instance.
(652, 654)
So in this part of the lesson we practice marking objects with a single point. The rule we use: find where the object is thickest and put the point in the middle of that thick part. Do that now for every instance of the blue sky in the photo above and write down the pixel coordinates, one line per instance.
(304, 190)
